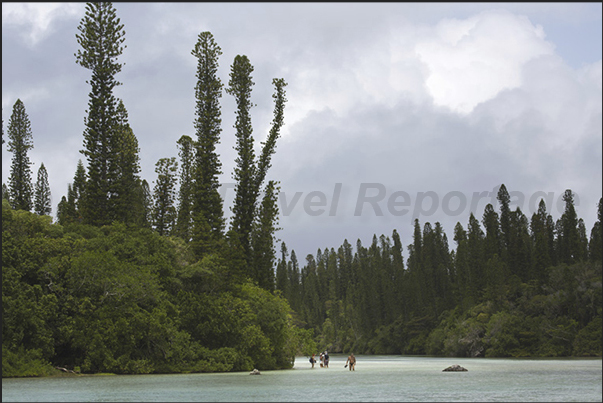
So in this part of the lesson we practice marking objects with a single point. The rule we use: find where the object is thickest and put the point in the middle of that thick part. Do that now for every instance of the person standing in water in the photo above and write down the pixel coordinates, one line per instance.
(351, 361)
(313, 360)
(326, 359)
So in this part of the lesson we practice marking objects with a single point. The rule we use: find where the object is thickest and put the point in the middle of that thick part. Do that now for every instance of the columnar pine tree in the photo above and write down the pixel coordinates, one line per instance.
(442, 269)
(269, 146)
(62, 211)
(267, 213)
(186, 152)
(550, 231)
(125, 194)
(475, 257)
(385, 274)
(207, 212)
(293, 275)
(463, 281)
(66, 210)
(433, 278)
(414, 265)
(79, 182)
(281, 277)
(147, 204)
(20, 141)
(504, 199)
(101, 37)
(249, 174)
(263, 238)
(541, 256)
(281, 281)
(164, 211)
(519, 252)
(345, 257)
(568, 236)
(399, 278)
(42, 204)
(240, 85)
(313, 311)
(493, 241)
(583, 244)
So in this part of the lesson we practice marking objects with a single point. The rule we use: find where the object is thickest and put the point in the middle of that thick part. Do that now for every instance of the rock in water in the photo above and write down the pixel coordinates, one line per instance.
(255, 372)
(454, 368)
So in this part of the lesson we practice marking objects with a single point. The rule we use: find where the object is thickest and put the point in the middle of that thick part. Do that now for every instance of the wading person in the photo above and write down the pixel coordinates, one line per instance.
(351, 361)
(313, 360)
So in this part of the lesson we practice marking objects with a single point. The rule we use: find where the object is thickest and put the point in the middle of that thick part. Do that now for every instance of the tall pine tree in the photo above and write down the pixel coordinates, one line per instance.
(263, 238)
(207, 213)
(493, 241)
(568, 235)
(101, 36)
(20, 141)
(541, 256)
(240, 85)
(250, 174)
(125, 194)
(186, 151)
(164, 211)
(66, 209)
(281, 280)
(42, 203)
(147, 204)
(504, 199)
(79, 183)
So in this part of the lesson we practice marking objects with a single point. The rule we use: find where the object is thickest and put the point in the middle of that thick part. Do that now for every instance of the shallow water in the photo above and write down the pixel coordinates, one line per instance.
(376, 378)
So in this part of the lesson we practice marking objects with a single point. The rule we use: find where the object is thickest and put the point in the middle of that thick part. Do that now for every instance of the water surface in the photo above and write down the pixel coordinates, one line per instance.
(376, 378)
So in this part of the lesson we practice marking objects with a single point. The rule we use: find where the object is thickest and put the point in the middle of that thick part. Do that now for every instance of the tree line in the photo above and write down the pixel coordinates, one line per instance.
(513, 286)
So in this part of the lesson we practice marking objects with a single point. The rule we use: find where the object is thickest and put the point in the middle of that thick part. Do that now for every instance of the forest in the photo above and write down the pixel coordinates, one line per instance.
(133, 280)
(512, 287)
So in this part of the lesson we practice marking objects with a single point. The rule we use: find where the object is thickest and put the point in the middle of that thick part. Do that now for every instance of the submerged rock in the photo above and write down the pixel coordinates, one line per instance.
(454, 368)
(255, 372)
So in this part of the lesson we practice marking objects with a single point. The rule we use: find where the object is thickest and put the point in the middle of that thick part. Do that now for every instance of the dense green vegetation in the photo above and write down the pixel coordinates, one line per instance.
(521, 288)
(124, 299)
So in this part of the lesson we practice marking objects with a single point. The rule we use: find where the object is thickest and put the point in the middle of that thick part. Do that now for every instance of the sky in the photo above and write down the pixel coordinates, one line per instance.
(395, 111)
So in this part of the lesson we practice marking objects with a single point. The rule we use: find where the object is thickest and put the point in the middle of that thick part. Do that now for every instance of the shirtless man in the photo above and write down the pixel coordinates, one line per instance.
(351, 361)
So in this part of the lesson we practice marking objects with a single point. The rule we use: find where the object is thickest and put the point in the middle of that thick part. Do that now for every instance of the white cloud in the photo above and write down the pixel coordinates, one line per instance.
(457, 64)
(472, 60)
(38, 18)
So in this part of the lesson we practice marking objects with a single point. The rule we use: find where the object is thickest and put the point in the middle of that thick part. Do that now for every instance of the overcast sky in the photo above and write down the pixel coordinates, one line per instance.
(395, 111)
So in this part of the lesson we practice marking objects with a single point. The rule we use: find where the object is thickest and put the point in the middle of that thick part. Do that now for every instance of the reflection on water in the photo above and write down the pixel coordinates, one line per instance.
(377, 378)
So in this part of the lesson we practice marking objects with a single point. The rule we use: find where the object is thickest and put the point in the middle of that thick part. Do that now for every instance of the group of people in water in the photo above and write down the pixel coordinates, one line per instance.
(324, 360)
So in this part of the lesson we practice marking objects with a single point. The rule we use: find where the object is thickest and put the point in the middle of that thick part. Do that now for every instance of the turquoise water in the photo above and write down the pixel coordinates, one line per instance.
(377, 378)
